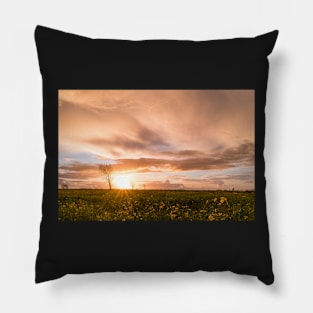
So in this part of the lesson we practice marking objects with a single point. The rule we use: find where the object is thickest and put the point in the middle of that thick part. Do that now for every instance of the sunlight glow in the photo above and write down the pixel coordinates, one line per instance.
(122, 181)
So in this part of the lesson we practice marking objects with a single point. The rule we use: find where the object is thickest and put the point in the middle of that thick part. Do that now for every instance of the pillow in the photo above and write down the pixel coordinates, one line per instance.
(154, 155)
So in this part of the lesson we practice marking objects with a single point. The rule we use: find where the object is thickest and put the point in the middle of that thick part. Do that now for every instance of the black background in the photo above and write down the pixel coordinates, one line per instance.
(72, 62)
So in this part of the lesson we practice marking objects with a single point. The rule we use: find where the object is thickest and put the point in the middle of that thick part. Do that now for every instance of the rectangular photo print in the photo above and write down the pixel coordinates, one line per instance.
(156, 155)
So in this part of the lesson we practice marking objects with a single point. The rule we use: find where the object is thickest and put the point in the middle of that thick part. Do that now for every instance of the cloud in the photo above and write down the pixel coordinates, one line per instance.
(241, 155)
(152, 121)
(142, 139)
(156, 132)
(76, 170)
(164, 185)
(97, 100)
(216, 181)
(183, 154)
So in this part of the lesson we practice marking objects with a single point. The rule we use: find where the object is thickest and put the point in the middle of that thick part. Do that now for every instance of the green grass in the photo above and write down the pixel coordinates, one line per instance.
(154, 205)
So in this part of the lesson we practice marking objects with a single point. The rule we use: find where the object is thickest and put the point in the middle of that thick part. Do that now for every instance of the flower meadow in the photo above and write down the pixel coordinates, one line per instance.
(155, 205)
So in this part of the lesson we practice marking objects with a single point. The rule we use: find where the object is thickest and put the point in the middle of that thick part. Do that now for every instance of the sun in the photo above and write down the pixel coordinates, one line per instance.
(122, 181)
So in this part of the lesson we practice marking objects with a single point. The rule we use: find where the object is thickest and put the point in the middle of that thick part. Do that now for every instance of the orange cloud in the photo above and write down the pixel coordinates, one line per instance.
(155, 131)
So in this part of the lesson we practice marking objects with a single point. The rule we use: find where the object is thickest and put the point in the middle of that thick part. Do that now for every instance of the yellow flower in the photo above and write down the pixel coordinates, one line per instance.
(211, 218)
(223, 199)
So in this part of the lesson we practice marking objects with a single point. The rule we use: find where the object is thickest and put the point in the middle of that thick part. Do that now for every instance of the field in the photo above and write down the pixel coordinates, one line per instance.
(154, 205)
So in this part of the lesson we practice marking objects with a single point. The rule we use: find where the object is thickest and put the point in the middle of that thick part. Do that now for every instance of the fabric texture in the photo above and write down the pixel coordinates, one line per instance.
(72, 62)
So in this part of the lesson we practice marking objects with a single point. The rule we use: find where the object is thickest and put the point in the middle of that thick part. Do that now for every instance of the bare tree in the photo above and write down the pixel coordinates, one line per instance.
(106, 170)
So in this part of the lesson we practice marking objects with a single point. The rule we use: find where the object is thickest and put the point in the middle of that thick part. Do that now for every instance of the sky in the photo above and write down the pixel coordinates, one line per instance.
(157, 139)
